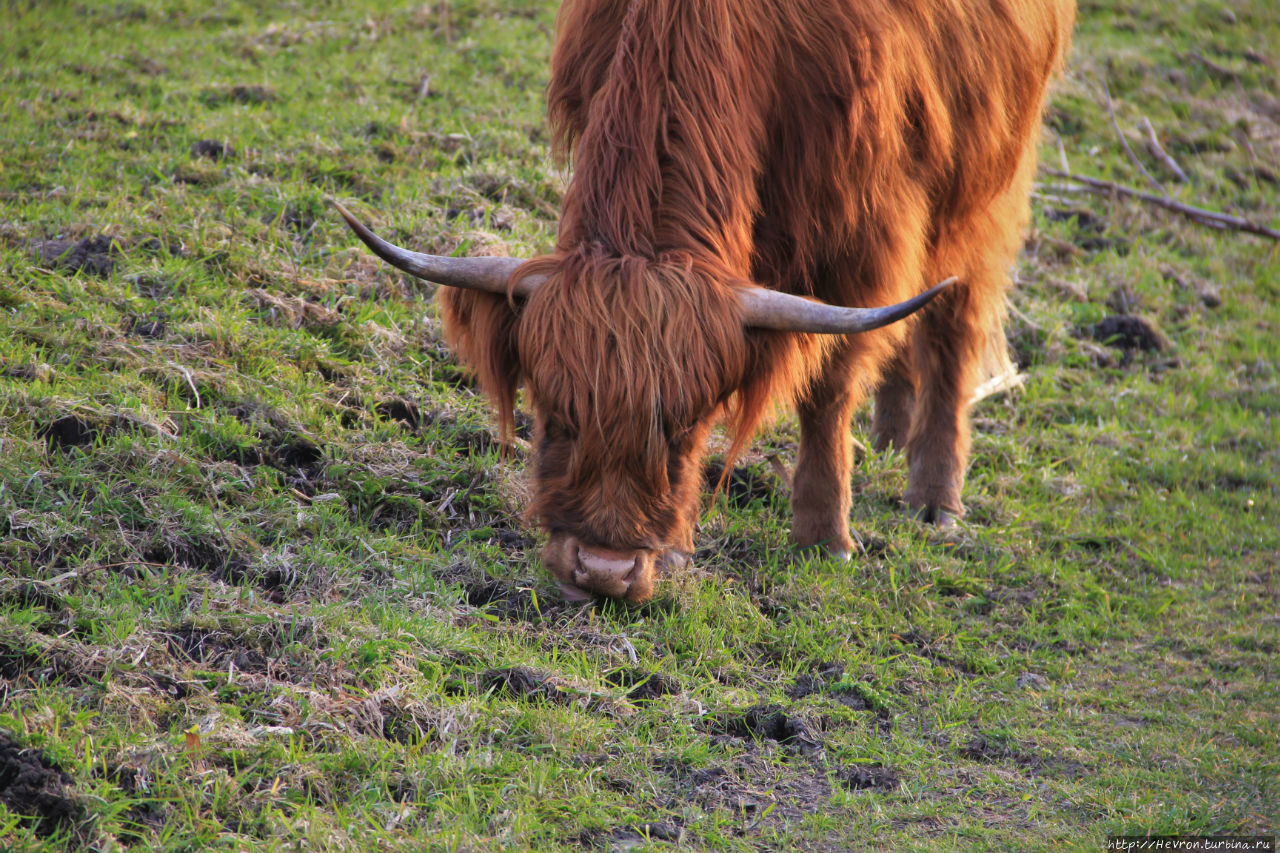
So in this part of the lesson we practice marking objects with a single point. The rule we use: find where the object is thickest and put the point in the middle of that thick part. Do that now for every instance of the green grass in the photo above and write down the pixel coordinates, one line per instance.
(264, 580)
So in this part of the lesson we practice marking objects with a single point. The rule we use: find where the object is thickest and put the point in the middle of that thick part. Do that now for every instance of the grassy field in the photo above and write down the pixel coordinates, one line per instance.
(264, 579)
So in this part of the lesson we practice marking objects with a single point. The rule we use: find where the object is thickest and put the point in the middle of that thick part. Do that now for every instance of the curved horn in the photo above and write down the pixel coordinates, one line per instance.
(491, 274)
(770, 309)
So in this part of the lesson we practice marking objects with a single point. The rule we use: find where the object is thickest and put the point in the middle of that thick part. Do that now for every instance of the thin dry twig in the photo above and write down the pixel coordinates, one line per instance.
(1157, 151)
(1220, 70)
(1111, 111)
(1210, 218)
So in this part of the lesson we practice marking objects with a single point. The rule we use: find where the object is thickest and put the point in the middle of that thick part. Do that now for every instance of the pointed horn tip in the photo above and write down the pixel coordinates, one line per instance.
(355, 224)
(941, 286)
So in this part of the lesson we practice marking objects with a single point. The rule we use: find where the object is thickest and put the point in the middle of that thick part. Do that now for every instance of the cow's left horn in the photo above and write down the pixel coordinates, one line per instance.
(491, 274)
(770, 309)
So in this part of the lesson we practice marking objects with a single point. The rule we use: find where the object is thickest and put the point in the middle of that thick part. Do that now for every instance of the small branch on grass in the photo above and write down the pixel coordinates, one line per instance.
(1062, 153)
(1157, 151)
(1209, 218)
(1111, 111)
(1220, 70)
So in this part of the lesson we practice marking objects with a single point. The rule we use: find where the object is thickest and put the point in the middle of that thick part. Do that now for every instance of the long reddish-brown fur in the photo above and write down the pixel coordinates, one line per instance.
(849, 150)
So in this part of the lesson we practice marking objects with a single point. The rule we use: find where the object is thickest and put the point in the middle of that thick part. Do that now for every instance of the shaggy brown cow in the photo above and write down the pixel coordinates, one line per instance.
(849, 151)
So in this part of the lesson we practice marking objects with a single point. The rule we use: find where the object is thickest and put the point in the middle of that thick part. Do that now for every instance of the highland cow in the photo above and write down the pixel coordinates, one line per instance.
(751, 178)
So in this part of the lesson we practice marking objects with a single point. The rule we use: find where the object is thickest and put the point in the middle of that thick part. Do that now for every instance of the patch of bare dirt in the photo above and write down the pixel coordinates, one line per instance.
(93, 255)
(34, 788)
(215, 647)
(1129, 332)
(43, 660)
(744, 485)
(869, 777)
(523, 682)
(212, 149)
(996, 748)
(245, 95)
(643, 686)
(767, 722)
(69, 431)
(509, 603)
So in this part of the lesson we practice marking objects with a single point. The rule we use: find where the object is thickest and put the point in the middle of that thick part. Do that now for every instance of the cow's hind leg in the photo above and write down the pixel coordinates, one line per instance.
(895, 402)
(947, 353)
(949, 342)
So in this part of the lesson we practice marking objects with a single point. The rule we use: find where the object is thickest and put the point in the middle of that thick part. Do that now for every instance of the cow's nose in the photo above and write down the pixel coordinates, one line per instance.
(605, 570)
(585, 570)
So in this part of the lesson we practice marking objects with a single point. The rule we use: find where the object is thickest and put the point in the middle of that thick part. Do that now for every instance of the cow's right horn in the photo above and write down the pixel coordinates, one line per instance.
(785, 312)
(491, 274)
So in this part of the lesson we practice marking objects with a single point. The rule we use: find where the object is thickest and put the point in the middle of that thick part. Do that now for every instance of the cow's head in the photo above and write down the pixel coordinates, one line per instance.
(627, 362)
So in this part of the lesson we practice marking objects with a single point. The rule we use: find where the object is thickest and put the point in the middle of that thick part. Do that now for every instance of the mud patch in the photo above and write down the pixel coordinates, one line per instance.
(753, 787)
(44, 661)
(501, 535)
(69, 431)
(510, 604)
(212, 149)
(631, 837)
(744, 485)
(93, 255)
(523, 683)
(32, 595)
(642, 686)
(869, 777)
(767, 722)
(930, 649)
(149, 326)
(995, 748)
(1129, 332)
(299, 457)
(828, 680)
(223, 564)
(404, 412)
(405, 723)
(239, 94)
(824, 674)
(218, 648)
(34, 788)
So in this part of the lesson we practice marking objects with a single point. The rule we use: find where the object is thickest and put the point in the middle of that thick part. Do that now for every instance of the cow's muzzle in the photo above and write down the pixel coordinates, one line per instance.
(583, 571)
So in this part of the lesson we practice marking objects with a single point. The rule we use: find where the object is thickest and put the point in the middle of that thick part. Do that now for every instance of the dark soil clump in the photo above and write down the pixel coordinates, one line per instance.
(32, 787)
(869, 777)
(996, 748)
(768, 722)
(69, 431)
(33, 595)
(1129, 332)
(213, 149)
(643, 686)
(743, 486)
(513, 605)
(92, 255)
(404, 412)
(216, 647)
(522, 682)
(824, 673)
(150, 326)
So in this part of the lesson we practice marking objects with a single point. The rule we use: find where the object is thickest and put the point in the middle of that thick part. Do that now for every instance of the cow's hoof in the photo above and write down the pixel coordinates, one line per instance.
(842, 553)
(937, 516)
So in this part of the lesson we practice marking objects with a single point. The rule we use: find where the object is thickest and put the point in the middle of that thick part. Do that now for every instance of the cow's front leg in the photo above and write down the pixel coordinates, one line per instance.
(820, 495)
